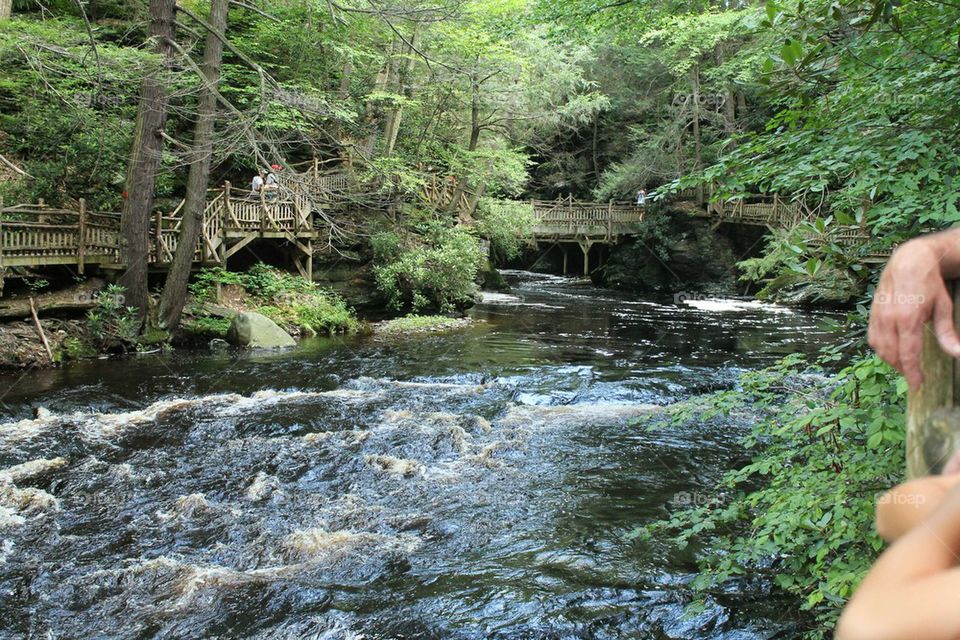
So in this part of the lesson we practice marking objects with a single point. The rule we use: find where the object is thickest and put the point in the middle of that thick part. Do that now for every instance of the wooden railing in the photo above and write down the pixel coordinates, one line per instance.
(34, 235)
(767, 211)
(570, 217)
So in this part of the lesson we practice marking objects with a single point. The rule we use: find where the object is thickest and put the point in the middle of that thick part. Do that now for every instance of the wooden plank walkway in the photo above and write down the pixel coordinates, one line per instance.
(569, 220)
(37, 235)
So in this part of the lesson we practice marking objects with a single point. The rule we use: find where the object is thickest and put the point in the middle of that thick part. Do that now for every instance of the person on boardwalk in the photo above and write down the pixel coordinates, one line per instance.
(257, 185)
(271, 185)
(910, 592)
(641, 197)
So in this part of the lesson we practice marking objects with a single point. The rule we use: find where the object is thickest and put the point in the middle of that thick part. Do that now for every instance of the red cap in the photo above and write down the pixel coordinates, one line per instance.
(275, 166)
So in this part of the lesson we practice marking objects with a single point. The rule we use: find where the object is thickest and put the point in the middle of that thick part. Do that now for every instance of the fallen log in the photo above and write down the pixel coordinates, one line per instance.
(75, 299)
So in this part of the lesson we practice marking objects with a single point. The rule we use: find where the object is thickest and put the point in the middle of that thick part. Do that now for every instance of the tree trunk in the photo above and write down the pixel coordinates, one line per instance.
(344, 91)
(475, 129)
(145, 156)
(372, 117)
(174, 294)
(730, 119)
(595, 148)
(6, 7)
(697, 144)
(405, 88)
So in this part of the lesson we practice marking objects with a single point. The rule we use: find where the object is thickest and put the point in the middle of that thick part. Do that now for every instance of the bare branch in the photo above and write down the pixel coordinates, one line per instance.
(14, 167)
(250, 7)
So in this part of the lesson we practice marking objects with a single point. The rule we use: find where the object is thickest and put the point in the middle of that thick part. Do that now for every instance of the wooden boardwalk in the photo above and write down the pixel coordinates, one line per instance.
(37, 235)
(300, 212)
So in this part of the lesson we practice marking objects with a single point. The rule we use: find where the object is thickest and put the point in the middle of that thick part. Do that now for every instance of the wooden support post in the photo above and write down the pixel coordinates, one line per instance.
(609, 220)
(3, 269)
(158, 237)
(310, 260)
(566, 259)
(226, 213)
(585, 246)
(81, 234)
(263, 212)
(933, 419)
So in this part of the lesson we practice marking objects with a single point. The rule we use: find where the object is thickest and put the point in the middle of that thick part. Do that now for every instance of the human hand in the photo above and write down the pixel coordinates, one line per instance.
(912, 292)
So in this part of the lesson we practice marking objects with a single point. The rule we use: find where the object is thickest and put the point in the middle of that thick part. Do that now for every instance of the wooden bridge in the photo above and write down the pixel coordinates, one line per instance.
(567, 221)
(773, 212)
(299, 215)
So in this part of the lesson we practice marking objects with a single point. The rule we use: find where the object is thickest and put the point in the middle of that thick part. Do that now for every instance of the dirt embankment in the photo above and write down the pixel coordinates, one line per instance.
(61, 317)
(22, 348)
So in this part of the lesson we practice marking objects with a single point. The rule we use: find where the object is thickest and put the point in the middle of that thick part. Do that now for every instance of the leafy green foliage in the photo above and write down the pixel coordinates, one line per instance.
(111, 325)
(436, 268)
(506, 224)
(801, 511)
(68, 121)
(289, 300)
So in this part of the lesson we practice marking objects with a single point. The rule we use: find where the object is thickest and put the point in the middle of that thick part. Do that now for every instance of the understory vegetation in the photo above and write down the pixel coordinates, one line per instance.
(294, 303)
(824, 448)
(429, 265)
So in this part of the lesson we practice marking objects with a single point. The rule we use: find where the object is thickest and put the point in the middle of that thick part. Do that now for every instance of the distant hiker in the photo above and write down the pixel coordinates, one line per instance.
(272, 182)
(272, 186)
(257, 184)
(641, 197)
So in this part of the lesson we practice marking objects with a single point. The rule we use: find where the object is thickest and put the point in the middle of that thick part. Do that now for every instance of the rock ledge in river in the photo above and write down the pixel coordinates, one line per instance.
(257, 331)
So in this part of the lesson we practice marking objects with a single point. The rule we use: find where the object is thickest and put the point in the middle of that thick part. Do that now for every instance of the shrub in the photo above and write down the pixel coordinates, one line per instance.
(291, 301)
(111, 325)
(206, 281)
(802, 510)
(436, 269)
(506, 224)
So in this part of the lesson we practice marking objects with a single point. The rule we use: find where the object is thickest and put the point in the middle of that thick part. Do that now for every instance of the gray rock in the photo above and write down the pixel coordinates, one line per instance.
(218, 344)
(257, 331)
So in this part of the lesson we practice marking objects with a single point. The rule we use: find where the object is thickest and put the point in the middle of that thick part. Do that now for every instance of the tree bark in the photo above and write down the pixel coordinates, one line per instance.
(697, 144)
(372, 116)
(144, 162)
(405, 88)
(174, 294)
(344, 91)
(475, 130)
(6, 8)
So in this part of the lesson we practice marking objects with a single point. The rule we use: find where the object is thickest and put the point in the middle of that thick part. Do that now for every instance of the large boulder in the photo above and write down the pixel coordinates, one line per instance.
(257, 331)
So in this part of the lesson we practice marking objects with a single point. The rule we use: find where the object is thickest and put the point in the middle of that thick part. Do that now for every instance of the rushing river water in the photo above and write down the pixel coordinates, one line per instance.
(474, 484)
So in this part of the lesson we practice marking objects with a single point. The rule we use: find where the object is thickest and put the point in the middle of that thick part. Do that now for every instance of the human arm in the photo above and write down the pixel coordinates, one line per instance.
(912, 291)
(913, 590)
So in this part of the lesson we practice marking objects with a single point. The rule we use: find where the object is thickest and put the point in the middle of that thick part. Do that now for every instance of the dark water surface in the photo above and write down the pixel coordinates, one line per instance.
(476, 484)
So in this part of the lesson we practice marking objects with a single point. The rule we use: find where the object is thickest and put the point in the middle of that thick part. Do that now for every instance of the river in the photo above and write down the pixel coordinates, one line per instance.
(473, 484)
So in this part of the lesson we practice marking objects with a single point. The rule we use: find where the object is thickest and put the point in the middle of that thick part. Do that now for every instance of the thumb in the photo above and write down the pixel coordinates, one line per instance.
(944, 326)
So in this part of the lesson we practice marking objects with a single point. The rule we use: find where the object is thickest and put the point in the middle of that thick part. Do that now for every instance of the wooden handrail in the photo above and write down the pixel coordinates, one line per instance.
(933, 428)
